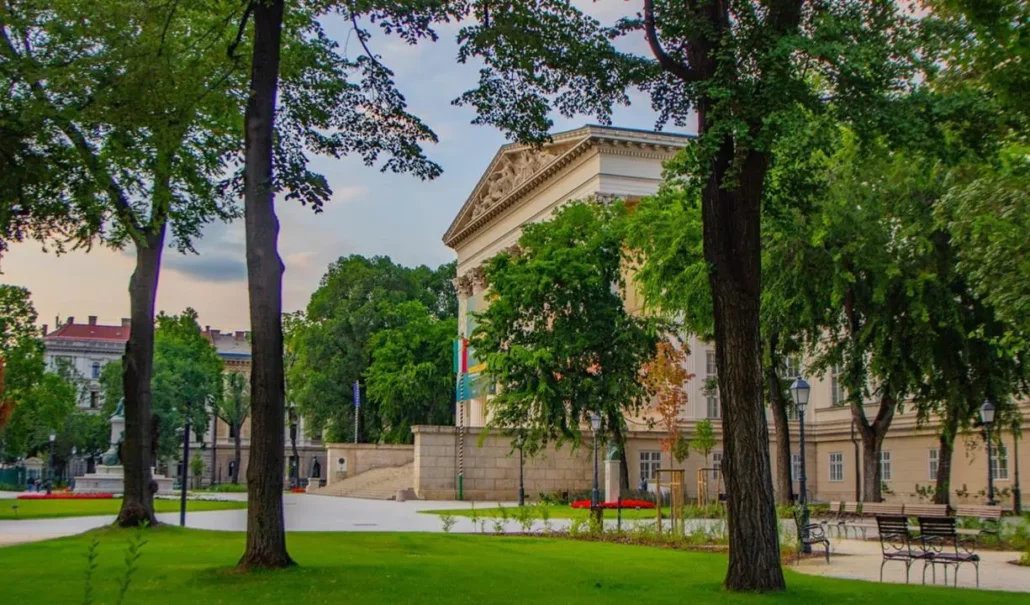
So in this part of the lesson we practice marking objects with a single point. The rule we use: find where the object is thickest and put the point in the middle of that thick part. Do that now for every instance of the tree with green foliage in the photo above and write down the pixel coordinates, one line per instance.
(139, 105)
(556, 337)
(704, 440)
(17, 340)
(335, 346)
(233, 407)
(187, 377)
(411, 379)
(740, 68)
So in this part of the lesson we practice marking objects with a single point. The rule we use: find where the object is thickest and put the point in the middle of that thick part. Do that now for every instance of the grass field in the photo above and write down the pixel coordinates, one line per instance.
(556, 511)
(188, 567)
(52, 509)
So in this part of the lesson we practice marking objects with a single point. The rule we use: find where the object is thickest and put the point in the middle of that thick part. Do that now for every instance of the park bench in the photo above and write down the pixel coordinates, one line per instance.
(896, 544)
(875, 509)
(816, 535)
(914, 511)
(989, 517)
(846, 515)
(941, 544)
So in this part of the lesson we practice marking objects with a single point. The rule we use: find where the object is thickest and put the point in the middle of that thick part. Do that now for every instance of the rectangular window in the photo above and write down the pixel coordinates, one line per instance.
(94, 400)
(1000, 463)
(791, 369)
(717, 460)
(712, 373)
(232, 432)
(837, 395)
(836, 466)
(650, 462)
(934, 462)
(795, 467)
(885, 466)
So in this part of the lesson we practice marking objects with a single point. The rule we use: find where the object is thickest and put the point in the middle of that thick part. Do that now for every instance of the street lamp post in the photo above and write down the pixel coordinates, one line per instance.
(800, 391)
(987, 418)
(50, 470)
(71, 463)
(185, 468)
(595, 424)
(521, 442)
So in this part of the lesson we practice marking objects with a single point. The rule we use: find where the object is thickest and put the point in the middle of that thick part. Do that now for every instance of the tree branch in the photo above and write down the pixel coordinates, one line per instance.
(231, 51)
(677, 68)
(122, 206)
(361, 38)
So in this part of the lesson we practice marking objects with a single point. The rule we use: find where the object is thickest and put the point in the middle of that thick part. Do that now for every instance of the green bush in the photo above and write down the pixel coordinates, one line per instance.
(225, 488)
(11, 487)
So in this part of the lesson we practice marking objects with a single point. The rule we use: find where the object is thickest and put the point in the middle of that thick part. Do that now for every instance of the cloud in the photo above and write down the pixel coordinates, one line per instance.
(208, 268)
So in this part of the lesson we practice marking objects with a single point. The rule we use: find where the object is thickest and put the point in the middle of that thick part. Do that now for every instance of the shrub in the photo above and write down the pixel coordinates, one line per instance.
(545, 516)
(448, 522)
(526, 515)
(226, 488)
(11, 487)
(474, 515)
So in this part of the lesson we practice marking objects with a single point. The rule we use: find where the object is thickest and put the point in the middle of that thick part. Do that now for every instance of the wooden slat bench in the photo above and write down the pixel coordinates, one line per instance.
(870, 510)
(930, 511)
(848, 514)
(989, 517)
(941, 545)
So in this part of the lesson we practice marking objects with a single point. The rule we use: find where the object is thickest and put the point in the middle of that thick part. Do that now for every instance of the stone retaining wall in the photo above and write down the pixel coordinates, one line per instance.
(362, 457)
(492, 470)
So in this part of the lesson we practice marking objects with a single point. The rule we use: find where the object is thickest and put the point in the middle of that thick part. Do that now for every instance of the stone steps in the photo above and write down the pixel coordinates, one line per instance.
(376, 484)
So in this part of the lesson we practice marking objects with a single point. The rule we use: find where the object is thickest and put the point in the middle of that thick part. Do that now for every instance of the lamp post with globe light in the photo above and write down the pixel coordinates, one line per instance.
(50, 471)
(595, 424)
(799, 392)
(987, 419)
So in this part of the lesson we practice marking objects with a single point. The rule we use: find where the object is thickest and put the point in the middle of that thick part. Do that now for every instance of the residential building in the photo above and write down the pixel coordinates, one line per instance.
(82, 350)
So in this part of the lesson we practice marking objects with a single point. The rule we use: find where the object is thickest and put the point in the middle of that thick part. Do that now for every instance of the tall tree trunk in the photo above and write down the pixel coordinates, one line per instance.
(872, 443)
(778, 405)
(732, 247)
(137, 368)
(266, 533)
(946, 443)
(237, 456)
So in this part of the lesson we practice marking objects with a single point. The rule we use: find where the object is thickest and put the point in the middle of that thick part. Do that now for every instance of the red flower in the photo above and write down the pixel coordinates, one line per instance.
(614, 504)
(65, 496)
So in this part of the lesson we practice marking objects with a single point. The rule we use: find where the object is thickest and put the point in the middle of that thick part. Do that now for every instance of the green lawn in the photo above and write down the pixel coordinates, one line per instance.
(51, 509)
(190, 567)
(557, 511)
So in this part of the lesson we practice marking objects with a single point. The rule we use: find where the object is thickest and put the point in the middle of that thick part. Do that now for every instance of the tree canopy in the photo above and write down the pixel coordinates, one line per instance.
(357, 317)
(557, 338)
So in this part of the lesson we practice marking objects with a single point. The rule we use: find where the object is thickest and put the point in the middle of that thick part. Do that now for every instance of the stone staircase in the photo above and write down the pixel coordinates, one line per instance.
(376, 484)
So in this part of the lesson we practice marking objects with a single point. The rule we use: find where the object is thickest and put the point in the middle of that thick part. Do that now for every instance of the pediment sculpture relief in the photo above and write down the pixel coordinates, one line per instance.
(513, 170)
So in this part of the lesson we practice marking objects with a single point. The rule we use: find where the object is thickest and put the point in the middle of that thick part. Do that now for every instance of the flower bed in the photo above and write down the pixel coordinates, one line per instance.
(298, 490)
(65, 496)
(625, 504)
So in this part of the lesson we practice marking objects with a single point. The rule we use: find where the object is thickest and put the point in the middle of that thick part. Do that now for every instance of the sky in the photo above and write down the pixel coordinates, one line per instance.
(370, 213)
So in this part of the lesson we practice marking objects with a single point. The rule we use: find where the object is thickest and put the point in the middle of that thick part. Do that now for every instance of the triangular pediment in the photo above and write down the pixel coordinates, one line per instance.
(512, 169)
(516, 169)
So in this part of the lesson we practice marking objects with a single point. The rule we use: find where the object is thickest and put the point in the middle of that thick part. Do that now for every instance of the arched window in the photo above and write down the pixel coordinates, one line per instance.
(96, 369)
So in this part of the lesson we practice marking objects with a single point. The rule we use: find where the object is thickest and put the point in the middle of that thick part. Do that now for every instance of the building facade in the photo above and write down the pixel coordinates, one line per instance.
(219, 441)
(522, 185)
(82, 350)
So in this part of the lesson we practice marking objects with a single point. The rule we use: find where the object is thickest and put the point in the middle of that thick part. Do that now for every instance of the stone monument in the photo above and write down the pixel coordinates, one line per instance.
(109, 477)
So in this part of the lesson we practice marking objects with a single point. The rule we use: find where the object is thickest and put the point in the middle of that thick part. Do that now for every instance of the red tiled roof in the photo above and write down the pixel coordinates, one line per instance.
(90, 332)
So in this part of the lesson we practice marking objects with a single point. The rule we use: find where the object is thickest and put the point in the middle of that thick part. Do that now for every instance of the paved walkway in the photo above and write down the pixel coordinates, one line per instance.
(303, 512)
(860, 560)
